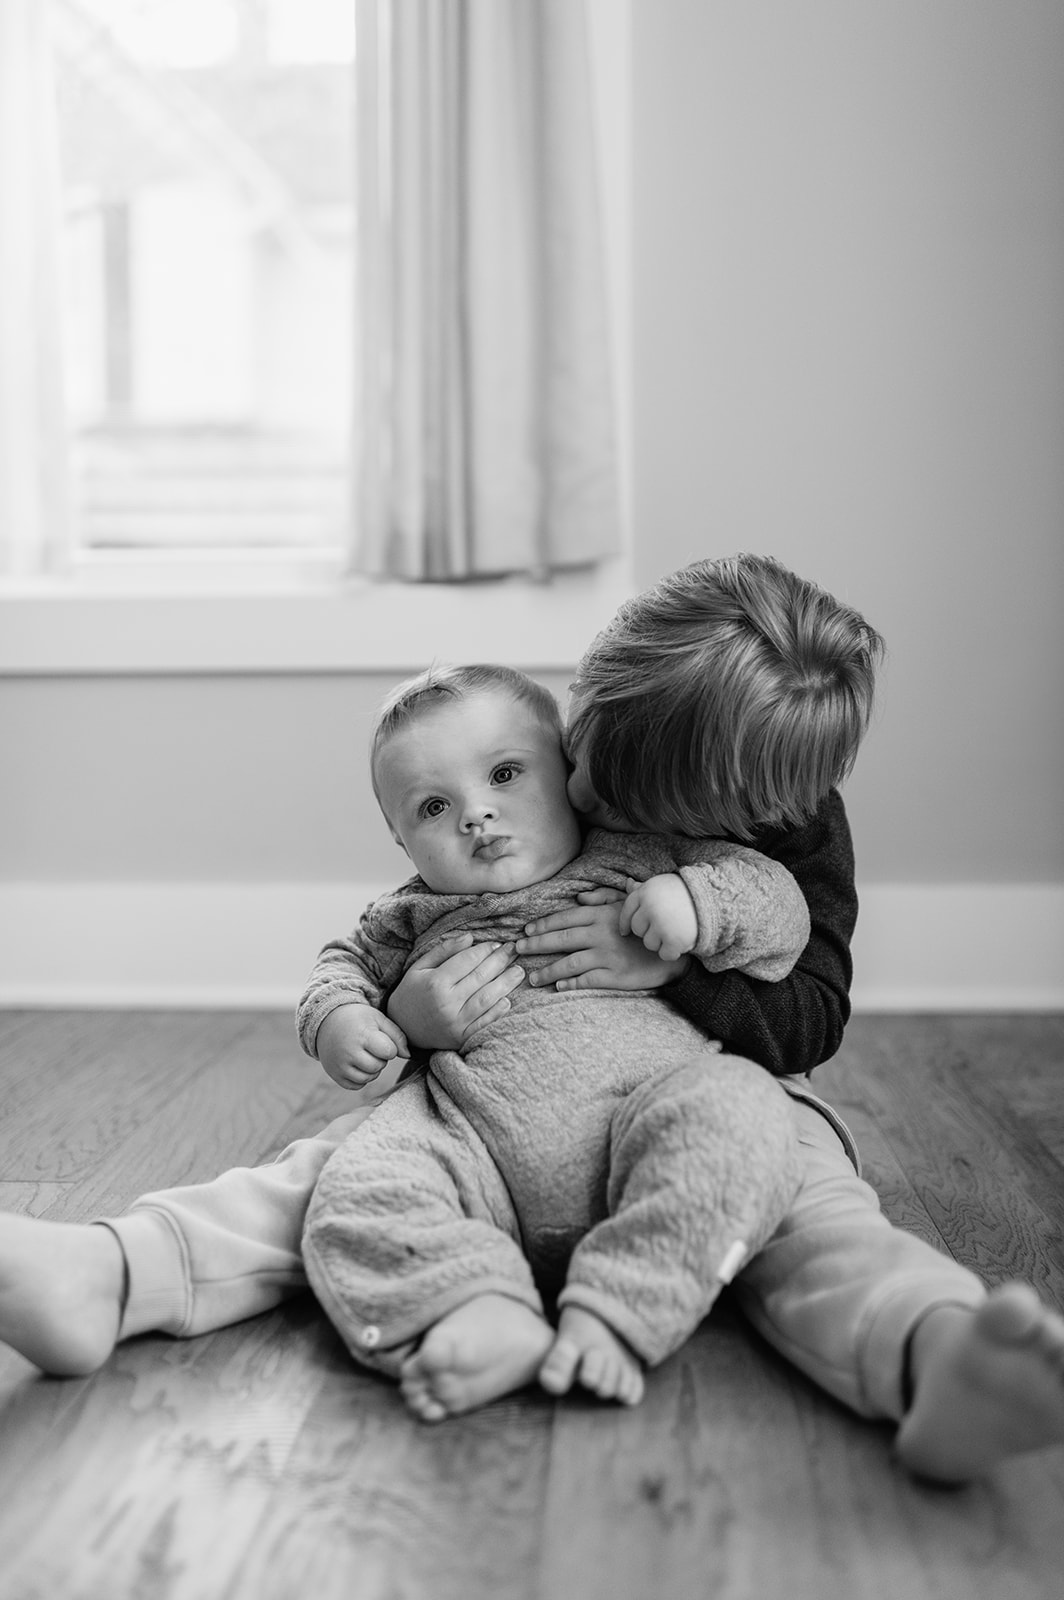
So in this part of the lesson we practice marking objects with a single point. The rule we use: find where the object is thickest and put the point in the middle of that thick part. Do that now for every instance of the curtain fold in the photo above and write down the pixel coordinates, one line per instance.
(485, 422)
(34, 492)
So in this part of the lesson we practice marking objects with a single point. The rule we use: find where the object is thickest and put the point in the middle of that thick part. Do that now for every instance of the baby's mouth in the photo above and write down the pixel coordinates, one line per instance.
(492, 847)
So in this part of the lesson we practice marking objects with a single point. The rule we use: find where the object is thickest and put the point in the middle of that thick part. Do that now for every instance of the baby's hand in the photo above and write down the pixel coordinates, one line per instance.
(356, 1042)
(662, 914)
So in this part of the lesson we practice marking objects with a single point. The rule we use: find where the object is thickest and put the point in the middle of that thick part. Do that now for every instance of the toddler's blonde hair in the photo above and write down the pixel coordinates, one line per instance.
(728, 698)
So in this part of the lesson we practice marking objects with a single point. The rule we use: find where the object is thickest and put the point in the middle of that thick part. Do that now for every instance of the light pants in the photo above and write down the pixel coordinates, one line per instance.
(838, 1290)
(638, 1211)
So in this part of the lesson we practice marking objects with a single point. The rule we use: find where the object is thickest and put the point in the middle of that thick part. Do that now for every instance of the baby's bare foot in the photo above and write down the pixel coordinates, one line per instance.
(61, 1293)
(989, 1384)
(589, 1353)
(486, 1348)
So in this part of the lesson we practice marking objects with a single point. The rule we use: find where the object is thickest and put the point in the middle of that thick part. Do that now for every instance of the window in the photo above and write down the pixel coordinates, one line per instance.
(206, 154)
(210, 387)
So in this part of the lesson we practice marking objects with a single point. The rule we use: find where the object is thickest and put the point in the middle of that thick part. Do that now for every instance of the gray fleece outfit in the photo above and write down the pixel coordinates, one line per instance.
(591, 1145)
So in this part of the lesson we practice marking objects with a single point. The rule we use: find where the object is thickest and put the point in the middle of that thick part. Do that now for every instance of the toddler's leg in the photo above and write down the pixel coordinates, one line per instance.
(898, 1330)
(837, 1289)
(987, 1384)
(61, 1293)
(182, 1261)
(205, 1255)
(703, 1165)
(411, 1246)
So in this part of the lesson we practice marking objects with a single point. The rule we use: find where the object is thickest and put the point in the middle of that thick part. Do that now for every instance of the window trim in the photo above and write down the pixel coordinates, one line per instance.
(281, 612)
(326, 624)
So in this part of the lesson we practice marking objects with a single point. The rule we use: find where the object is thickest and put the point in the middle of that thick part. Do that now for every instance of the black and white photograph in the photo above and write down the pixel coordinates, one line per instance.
(531, 864)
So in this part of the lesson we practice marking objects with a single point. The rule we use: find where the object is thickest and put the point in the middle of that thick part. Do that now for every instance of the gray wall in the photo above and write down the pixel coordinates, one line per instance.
(849, 351)
(199, 778)
(848, 325)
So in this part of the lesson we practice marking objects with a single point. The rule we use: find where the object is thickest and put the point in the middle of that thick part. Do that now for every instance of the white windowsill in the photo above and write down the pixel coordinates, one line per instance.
(269, 619)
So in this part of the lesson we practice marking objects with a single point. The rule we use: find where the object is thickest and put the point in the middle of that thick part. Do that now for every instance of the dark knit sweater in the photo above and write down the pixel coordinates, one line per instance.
(793, 1025)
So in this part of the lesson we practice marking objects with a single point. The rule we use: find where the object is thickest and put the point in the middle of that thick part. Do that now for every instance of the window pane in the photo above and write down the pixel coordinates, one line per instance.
(207, 163)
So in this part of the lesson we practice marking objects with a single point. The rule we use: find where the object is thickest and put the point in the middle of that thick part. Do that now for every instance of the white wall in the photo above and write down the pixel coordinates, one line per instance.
(848, 349)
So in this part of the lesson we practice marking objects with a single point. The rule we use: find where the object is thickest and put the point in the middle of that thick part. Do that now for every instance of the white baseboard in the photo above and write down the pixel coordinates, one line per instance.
(963, 947)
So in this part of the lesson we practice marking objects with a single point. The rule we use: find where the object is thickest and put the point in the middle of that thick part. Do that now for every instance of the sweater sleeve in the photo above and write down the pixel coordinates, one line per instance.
(752, 915)
(359, 970)
(793, 1025)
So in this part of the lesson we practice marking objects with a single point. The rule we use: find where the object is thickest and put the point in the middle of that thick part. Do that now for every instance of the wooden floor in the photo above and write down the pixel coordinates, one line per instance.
(258, 1464)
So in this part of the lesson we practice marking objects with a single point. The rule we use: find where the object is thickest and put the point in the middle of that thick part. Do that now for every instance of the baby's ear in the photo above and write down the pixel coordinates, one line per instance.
(398, 841)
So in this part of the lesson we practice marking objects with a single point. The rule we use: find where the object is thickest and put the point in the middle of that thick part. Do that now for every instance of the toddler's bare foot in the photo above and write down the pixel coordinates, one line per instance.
(61, 1293)
(989, 1384)
(486, 1348)
(589, 1353)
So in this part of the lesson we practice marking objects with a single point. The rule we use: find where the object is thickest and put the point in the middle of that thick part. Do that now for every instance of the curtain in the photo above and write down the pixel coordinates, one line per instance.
(485, 426)
(34, 495)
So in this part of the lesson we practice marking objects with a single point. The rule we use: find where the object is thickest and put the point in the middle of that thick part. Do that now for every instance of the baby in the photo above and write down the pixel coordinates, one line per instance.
(588, 1142)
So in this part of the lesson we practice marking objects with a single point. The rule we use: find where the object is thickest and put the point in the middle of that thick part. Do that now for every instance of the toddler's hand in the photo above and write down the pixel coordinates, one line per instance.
(591, 950)
(454, 989)
(356, 1042)
(662, 914)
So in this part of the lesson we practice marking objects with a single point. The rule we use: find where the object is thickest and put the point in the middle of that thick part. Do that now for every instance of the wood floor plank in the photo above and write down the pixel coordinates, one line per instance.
(234, 1107)
(259, 1464)
(165, 1466)
(376, 1503)
(998, 1205)
(34, 1199)
(1021, 1060)
(60, 1098)
(736, 1479)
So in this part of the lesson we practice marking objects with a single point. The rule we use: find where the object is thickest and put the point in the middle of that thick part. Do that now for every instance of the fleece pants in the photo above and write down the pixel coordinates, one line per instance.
(638, 1208)
(837, 1290)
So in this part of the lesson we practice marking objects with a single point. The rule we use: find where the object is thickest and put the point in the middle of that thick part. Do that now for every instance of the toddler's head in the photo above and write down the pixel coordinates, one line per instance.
(730, 697)
(469, 771)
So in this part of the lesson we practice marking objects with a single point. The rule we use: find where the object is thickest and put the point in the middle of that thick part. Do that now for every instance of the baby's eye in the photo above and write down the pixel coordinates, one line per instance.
(432, 808)
(506, 772)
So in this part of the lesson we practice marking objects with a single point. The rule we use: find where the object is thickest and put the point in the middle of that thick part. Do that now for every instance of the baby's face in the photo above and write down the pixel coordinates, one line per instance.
(474, 791)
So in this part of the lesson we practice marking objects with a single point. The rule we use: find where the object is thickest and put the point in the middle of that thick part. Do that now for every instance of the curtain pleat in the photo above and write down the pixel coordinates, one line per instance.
(485, 417)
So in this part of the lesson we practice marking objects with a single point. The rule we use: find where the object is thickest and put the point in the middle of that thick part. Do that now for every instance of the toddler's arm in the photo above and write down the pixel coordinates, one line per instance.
(789, 1026)
(729, 906)
(793, 1025)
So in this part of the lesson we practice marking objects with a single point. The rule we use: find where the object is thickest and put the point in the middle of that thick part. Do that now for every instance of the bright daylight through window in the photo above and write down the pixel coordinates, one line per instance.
(207, 156)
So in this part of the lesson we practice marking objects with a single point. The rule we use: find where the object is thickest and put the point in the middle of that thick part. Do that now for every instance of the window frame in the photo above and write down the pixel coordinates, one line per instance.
(264, 610)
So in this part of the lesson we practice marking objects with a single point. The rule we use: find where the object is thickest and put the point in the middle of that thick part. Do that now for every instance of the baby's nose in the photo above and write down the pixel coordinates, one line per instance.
(477, 813)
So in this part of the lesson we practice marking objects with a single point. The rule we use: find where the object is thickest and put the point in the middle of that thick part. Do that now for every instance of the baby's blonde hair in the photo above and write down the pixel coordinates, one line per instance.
(440, 684)
(730, 697)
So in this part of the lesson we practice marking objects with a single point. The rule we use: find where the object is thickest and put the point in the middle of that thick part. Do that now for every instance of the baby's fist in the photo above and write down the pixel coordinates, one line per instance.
(662, 914)
(356, 1042)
